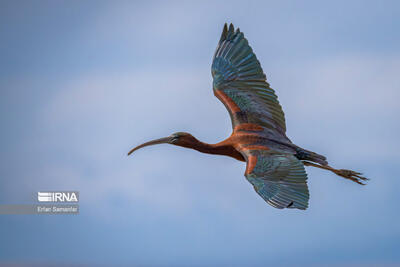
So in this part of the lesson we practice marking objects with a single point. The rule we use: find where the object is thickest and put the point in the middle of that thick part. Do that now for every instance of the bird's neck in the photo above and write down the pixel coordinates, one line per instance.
(221, 148)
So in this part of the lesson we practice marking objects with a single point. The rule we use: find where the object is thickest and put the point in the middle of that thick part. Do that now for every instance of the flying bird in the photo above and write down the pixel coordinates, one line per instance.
(275, 166)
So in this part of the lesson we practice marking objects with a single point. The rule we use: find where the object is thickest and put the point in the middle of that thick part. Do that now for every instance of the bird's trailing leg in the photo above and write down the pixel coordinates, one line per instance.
(348, 174)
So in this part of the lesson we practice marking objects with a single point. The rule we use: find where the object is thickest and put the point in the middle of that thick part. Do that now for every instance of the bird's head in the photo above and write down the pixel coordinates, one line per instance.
(178, 139)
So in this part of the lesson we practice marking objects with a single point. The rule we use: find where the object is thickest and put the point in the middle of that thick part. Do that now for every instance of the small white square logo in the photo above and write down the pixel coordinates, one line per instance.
(45, 197)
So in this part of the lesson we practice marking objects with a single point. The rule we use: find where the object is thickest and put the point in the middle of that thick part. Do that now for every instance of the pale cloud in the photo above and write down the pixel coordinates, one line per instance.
(91, 81)
(99, 118)
(350, 102)
(103, 116)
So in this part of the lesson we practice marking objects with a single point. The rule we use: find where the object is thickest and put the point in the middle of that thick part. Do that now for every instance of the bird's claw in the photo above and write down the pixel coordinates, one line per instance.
(352, 175)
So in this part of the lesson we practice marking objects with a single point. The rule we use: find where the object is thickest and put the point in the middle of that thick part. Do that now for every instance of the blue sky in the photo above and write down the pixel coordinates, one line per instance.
(83, 82)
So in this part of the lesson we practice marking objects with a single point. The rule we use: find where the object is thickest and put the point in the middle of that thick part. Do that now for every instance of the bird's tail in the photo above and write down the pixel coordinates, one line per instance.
(304, 154)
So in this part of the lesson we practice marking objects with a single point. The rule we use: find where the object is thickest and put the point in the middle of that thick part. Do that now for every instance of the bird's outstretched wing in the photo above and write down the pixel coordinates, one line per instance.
(280, 179)
(240, 83)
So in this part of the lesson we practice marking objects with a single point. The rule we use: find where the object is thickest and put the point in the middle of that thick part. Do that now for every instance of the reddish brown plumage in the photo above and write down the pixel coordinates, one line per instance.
(275, 166)
(226, 147)
(252, 162)
(228, 102)
(244, 137)
(248, 127)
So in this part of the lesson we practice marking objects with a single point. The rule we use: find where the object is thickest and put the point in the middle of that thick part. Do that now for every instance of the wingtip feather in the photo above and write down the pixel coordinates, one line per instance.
(224, 33)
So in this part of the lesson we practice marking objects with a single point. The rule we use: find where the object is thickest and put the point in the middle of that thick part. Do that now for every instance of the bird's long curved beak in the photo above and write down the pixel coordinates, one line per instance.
(153, 142)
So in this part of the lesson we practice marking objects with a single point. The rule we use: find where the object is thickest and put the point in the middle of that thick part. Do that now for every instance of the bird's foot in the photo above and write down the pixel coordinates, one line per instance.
(351, 175)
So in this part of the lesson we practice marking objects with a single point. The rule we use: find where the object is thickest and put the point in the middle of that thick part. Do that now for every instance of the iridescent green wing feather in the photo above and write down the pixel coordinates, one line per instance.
(240, 83)
(280, 179)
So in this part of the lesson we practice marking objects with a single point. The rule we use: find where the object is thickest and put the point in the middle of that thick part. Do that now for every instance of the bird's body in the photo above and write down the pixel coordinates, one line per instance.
(275, 166)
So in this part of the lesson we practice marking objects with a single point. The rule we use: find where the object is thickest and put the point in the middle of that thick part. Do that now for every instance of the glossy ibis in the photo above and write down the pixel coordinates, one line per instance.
(275, 166)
